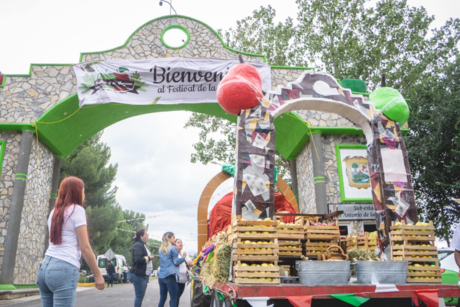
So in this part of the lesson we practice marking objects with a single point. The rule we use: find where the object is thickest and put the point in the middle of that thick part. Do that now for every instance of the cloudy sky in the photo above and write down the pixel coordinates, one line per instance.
(152, 151)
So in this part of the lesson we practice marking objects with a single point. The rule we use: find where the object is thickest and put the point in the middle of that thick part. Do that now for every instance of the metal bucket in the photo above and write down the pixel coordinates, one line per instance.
(386, 272)
(315, 273)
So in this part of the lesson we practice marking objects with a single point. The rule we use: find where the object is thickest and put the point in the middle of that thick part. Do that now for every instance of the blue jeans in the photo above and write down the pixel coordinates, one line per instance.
(109, 280)
(140, 285)
(169, 284)
(57, 281)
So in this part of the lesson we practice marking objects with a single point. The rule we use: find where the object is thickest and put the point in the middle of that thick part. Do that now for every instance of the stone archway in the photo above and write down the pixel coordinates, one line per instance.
(44, 102)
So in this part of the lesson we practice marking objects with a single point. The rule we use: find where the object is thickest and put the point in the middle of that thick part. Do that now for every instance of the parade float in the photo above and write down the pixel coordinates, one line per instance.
(327, 128)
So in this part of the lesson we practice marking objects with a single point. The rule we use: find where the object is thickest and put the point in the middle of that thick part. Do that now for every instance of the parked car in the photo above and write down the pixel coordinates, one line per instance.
(449, 271)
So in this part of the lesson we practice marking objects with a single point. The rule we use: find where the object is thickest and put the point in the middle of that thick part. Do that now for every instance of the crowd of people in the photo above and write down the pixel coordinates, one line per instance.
(58, 274)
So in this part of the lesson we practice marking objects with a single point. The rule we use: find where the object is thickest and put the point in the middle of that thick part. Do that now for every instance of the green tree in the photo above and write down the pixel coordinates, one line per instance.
(434, 147)
(347, 39)
(89, 162)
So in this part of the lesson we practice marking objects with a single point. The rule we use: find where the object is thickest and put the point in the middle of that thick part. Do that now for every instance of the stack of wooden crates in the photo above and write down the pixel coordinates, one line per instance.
(317, 239)
(416, 244)
(289, 239)
(255, 252)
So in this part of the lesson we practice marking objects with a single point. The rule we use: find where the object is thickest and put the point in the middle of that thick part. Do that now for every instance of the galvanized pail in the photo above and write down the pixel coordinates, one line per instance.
(315, 273)
(386, 272)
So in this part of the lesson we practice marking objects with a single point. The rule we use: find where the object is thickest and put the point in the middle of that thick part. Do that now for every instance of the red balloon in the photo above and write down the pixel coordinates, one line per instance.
(240, 89)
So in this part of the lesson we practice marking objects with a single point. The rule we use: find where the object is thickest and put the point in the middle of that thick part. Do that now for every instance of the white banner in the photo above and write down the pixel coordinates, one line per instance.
(158, 81)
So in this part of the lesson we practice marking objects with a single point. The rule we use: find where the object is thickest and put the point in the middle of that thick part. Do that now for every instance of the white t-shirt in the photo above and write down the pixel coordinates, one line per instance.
(68, 250)
(456, 239)
(183, 270)
(149, 268)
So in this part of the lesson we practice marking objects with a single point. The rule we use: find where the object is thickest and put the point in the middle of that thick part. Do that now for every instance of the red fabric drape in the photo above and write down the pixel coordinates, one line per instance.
(220, 216)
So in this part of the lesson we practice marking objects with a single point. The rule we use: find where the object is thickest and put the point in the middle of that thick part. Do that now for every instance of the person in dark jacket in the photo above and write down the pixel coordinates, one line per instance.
(110, 273)
(141, 267)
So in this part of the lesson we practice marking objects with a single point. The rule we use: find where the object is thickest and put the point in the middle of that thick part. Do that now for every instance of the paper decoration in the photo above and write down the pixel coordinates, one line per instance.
(393, 165)
(429, 297)
(351, 299)
(300, 301)
(382, 287)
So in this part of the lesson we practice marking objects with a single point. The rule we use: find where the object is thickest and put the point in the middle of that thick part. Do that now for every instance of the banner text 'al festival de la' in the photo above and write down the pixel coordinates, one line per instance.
(158, 81)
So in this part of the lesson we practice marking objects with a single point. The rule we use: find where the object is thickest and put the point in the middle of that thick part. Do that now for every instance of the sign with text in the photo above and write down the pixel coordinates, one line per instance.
(158, 81)
(354, 212)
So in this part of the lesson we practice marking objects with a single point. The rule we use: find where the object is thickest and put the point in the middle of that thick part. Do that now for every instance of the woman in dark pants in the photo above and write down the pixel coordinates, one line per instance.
(169, 263)
(141, 267)
(182, 279)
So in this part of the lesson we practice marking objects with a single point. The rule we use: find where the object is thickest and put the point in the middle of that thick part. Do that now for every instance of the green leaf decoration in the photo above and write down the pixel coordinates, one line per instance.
(122, 69)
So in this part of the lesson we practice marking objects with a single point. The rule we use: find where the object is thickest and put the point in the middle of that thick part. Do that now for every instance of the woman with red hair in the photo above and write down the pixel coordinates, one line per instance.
(59, 271)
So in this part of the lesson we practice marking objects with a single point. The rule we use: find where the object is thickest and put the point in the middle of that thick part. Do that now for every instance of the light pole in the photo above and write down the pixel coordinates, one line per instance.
(170, 6)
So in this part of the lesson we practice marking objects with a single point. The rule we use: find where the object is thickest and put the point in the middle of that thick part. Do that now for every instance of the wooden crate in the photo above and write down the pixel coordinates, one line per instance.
(290, 231)
(322, 232)
(251, 274)
(290, 248)
(261, 251)
(365, 242)
(314, 248)
(254, 230)
(303, 220)
(416, 244)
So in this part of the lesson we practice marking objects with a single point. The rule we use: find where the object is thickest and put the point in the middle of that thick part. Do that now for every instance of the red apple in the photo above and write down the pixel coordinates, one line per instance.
(240, 89)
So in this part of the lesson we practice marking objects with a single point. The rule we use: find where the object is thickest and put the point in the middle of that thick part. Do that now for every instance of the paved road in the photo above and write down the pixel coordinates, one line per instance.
(118, 296)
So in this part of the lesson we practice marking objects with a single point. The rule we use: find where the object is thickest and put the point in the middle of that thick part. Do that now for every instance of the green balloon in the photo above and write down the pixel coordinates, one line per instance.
(391, 103)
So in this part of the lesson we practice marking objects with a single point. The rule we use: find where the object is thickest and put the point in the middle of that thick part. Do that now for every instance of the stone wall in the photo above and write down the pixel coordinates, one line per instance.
(35, 211)
(25, 99)
(146, 44)
(34, 215)
(304, 163)
(284, 76)
(10, 160)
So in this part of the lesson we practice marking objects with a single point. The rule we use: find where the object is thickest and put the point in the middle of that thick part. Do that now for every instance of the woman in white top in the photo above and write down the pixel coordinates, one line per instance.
(59, 271)
(182, 279)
